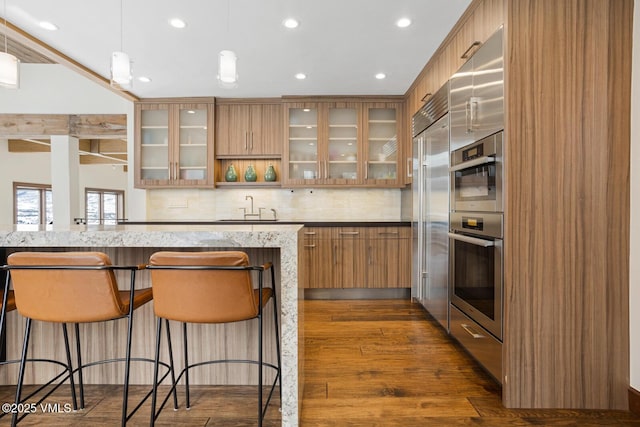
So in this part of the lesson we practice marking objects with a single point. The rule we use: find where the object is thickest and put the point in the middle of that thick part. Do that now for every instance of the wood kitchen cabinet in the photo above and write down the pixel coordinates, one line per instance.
(318, 258)
(248, 128)
(350, 142)
(389, 257)
(349, 251)
(382, 165)
(174, 143)
(356, 257)
(554, 289)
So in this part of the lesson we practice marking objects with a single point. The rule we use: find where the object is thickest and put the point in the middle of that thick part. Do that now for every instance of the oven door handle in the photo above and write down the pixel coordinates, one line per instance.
(473, 240)
(471, 163)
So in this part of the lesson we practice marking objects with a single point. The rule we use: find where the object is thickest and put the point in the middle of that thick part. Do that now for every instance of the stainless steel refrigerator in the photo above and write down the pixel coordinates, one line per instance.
(430, 272)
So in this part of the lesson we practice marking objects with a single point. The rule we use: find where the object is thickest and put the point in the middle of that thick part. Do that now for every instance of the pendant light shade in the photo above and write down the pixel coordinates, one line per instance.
(121, 75)
(9, 71)
(227, 73)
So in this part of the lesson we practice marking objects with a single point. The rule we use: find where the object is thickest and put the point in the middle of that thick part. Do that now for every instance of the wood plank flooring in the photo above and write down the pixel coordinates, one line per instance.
(387, 363)
(367, 363)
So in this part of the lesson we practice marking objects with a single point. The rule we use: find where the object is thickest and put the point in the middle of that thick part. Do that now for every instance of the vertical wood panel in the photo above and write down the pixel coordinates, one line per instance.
(566, 235)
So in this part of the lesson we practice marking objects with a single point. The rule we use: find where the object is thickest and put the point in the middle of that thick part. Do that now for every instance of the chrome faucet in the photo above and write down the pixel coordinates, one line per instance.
(250, 198)
(251, 213)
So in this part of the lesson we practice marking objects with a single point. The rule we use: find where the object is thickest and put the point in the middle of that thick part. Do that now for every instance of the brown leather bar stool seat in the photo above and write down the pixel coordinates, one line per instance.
(211, 287)
(74, 287)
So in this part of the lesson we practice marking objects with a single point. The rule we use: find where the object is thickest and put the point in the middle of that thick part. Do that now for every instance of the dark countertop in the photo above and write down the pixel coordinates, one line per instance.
(283, 222)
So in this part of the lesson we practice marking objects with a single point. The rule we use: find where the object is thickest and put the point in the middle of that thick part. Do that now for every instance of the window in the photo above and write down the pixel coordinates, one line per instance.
(32, 203)
(104, 206)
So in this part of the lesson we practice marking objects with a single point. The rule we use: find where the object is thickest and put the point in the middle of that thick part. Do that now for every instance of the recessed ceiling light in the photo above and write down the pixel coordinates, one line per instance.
(403, 22)
(48, 26)
(177, 23)
(290, 23)
(301, 76)
(381, 76)
(144, 79)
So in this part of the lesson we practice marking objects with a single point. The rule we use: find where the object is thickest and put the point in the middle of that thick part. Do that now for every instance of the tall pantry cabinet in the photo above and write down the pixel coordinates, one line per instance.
(566, 215)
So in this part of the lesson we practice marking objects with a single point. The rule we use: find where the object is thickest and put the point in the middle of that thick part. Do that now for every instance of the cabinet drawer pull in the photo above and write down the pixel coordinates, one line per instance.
(370, 251)
(409, 167)
(382, 233)
(310, 233)
(466, 53)
(468, 329)
(349, 233)
(246, 140)
(309, 246)
(335, 255)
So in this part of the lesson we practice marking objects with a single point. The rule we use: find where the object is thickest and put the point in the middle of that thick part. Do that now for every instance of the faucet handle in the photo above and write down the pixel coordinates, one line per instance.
(244, 212)
(260, 212)
(275, 214)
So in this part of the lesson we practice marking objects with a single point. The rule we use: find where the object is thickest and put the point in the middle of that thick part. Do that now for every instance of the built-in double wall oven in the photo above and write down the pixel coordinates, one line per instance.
(475, 234)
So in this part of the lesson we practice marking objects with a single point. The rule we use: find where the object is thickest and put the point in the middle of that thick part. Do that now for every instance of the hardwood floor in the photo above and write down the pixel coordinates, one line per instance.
(367, 363)
(387, 363)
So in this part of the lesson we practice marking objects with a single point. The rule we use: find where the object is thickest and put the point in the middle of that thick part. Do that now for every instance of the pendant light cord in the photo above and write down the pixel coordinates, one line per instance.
(4, 14)
(121, 26)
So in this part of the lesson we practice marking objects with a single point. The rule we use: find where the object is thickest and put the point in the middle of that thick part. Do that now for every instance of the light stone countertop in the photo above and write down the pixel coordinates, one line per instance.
(282, 236)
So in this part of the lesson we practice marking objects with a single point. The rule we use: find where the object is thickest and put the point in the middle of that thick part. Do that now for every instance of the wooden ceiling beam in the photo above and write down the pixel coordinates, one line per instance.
(83, 126)
(96, 159)
(28, 146)
(13, 32)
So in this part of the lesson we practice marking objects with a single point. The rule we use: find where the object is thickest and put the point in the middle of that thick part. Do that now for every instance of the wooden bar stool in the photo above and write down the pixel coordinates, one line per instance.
(211, 287)
(74, 287)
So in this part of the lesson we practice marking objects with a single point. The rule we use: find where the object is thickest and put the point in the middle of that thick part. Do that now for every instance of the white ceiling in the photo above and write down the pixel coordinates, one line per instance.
(340, 44)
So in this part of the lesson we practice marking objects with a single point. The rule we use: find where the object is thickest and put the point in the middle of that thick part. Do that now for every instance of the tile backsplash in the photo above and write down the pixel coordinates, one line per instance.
(317, 204)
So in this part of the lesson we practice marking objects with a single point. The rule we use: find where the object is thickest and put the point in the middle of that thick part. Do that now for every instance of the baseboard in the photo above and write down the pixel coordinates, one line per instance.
(634, 401)
(359, 293)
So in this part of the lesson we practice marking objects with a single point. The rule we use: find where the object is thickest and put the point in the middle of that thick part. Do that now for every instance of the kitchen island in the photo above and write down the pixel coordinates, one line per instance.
(133, 244)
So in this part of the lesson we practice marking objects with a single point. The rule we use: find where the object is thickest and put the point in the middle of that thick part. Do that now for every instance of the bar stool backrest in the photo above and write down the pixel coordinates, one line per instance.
(200, 295)
(65, 295)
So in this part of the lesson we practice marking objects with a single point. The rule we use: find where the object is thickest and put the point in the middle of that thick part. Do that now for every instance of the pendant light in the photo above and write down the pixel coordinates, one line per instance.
(227, 72)
(9, 64)
(121, 71)
(227, 64)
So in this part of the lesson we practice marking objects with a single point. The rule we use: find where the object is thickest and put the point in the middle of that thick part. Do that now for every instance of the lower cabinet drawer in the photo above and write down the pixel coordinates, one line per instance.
(479, 343)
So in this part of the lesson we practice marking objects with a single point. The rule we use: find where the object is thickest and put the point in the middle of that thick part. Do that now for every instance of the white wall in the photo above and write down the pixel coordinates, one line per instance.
(634, 255)
(54, 89)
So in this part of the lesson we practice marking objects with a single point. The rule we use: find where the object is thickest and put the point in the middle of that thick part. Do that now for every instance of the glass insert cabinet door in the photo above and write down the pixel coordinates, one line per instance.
(303, 144)
(382, 144)
(191, 162)
(154, 143)
(342, 156)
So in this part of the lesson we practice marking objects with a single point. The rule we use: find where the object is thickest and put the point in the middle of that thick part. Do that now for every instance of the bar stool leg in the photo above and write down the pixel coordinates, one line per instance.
(173, 372)
(69, 366)
(275, 321)
(79, 358)
(155, 373)
(125, 394)
(186, 363)
(260, 413)
(25, 346)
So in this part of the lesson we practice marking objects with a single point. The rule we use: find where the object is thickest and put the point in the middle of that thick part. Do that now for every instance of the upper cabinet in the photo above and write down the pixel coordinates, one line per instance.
(248, 128)
(174, 143)
(477, 94)
(381, 143)
(351, 143)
